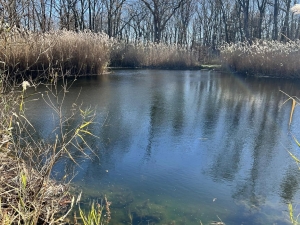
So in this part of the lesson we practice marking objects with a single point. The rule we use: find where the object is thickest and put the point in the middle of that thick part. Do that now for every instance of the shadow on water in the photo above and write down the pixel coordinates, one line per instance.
(182, 147)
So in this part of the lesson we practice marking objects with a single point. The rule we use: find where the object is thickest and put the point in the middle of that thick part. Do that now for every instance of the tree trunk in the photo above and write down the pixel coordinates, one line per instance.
(285, 30)
(276, 11)
(162, 11)
(261, 7)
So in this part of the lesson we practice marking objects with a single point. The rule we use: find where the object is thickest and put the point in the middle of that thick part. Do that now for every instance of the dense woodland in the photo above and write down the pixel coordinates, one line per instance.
(192, 22)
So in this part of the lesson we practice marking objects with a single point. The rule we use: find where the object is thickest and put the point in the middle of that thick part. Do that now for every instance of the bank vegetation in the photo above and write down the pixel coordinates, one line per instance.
(68, 52)
(87, 53)
(262, 58)
(29, 194)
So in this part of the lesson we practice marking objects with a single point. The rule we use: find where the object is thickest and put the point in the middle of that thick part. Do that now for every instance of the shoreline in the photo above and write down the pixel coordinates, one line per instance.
(201, 67)
(27, 194)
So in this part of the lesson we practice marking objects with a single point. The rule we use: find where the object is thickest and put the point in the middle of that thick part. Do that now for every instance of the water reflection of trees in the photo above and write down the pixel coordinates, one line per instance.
(239, 117)
(156, 115)
(253, 117)
(289, 185)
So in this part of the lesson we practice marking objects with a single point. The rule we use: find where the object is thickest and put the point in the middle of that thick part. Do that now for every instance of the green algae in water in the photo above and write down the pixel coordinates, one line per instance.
(127, 208)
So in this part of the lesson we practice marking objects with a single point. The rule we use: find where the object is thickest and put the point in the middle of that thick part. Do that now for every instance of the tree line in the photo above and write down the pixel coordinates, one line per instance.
(184, 22)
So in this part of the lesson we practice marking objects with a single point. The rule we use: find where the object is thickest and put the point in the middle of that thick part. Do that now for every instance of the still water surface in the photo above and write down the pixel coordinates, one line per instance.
(184, 147)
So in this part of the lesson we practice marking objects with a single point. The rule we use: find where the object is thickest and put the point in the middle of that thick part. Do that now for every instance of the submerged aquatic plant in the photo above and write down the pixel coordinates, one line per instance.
(93, 217)
(96, 215)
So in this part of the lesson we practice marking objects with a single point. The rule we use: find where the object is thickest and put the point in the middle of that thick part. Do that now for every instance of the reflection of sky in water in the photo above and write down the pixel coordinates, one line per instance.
(181, 139)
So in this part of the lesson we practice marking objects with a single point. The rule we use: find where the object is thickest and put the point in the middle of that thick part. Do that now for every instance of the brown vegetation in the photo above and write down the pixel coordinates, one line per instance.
(153, 55)
(83, 53)
(28, 197)
(54, 52)
(263, 58)
(28, 194)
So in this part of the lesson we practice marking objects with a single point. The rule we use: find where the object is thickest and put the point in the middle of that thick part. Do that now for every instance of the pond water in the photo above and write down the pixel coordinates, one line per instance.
(185, 147)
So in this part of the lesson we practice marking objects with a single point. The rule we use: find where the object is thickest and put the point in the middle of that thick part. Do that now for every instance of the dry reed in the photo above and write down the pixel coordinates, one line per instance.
(58, 51)
(24, 52)
(153, 55)
(263, 58)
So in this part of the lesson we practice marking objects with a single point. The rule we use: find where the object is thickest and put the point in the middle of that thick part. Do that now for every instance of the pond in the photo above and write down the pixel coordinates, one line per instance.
(185, 147)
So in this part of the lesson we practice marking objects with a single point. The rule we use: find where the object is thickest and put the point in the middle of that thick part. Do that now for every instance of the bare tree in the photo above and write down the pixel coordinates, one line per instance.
(162, 11)
(201, 23)
(285, 32)
(139, 17)
(114, 10)
(276, 12)
(261, 5)
(245, 7)
(186, 10)
(11, 12)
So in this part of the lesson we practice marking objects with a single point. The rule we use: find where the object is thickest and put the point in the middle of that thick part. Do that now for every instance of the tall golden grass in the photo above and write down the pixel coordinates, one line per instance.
(57, 51)
(268, 58)
(153, 55)
(24, 52)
